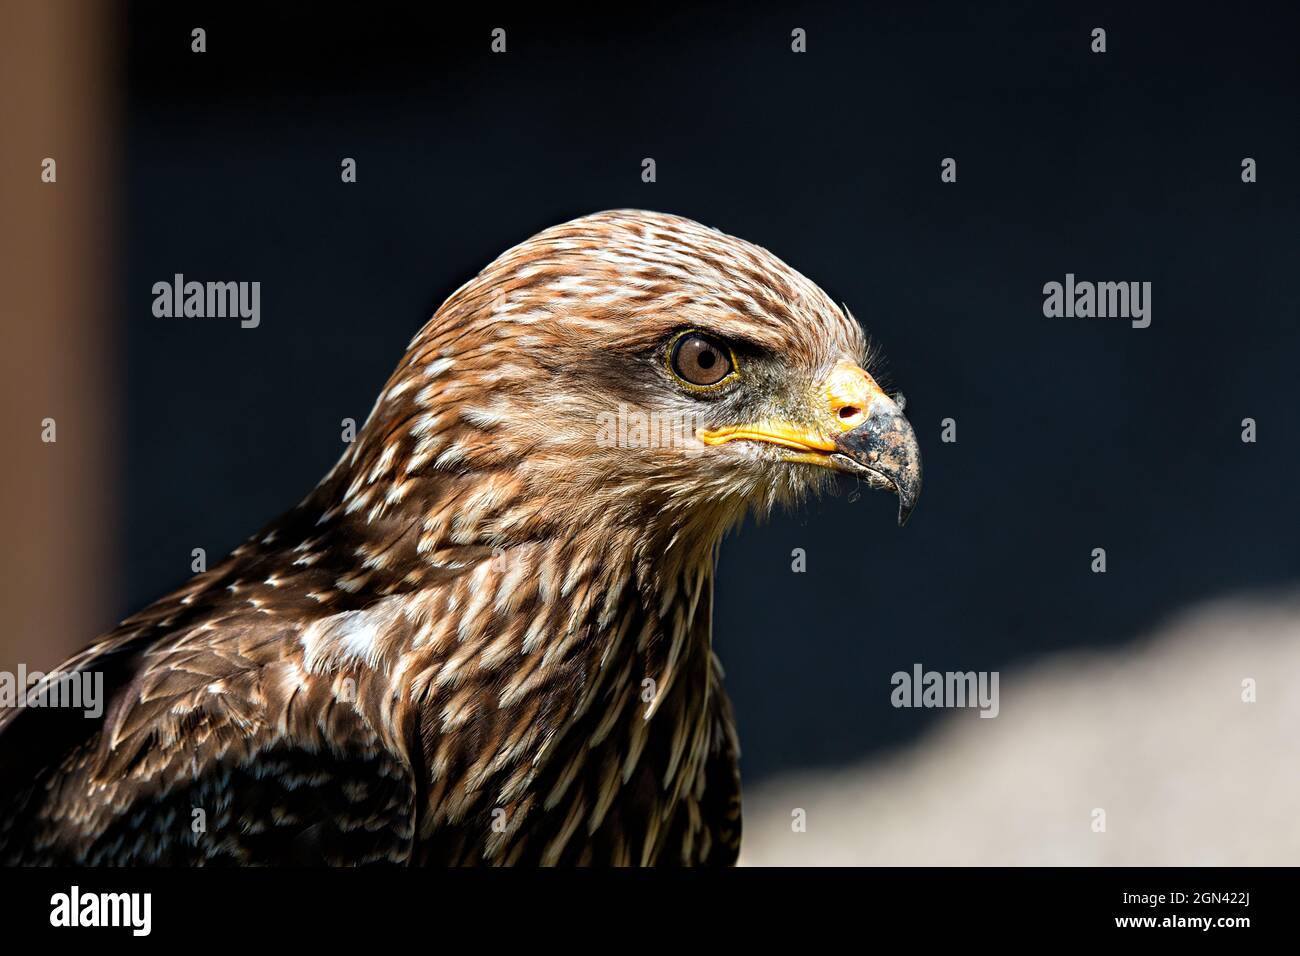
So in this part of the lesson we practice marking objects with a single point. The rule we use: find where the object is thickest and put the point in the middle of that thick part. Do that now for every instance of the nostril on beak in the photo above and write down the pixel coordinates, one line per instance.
(849, 394)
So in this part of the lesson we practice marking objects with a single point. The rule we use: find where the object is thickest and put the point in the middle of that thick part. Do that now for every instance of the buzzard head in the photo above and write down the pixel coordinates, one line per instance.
(637, 370)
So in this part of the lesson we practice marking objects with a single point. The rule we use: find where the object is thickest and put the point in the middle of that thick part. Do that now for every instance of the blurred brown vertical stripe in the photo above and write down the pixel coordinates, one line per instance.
(57, 99)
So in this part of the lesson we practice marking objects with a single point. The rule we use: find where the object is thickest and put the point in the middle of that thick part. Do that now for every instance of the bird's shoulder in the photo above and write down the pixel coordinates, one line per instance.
(235, 700)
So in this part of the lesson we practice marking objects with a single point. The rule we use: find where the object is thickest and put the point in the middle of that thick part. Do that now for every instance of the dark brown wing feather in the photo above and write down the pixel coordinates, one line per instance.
(197, 778)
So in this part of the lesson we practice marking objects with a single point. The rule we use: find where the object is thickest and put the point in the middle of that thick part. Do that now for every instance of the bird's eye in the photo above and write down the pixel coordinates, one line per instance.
(700, 360)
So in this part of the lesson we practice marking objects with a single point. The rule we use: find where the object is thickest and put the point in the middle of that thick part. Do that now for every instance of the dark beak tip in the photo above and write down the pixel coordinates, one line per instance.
(886, 444)
(906, 502)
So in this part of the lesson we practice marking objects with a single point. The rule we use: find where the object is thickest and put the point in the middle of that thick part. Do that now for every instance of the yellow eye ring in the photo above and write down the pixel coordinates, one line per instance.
(692, 352)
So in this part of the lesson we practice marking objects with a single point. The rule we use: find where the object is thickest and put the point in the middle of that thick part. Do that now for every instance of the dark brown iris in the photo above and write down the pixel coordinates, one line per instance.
(700, 360)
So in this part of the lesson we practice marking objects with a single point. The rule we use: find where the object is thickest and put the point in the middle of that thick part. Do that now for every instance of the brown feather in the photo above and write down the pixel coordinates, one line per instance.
(440, 655)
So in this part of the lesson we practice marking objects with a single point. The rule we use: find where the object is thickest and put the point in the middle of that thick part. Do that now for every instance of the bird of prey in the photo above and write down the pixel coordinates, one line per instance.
(485, 636)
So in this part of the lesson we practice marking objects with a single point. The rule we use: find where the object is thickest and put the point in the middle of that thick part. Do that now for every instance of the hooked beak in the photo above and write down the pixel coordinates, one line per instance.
(884, 445)
(859, 430)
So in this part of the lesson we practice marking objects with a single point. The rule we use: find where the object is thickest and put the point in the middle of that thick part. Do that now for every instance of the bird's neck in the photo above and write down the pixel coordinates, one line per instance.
(493, 651)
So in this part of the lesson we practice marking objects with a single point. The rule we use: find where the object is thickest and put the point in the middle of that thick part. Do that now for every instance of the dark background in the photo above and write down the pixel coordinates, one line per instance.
(1072, 433)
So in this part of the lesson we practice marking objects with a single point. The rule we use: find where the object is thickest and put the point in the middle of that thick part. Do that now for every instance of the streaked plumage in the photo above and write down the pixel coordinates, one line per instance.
(485, 636)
